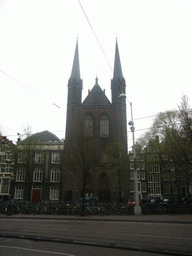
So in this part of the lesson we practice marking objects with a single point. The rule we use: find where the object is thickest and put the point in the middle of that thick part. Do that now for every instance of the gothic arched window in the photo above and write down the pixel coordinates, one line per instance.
(88, 126)
(104, 126)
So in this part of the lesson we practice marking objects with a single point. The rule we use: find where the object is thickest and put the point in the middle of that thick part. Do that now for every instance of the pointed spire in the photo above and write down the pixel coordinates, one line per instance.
(96, 80)
(117, 66)
(75, 69)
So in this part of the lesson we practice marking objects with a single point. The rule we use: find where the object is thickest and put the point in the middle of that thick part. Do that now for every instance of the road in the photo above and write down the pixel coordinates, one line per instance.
(138, 236)
(15, 247)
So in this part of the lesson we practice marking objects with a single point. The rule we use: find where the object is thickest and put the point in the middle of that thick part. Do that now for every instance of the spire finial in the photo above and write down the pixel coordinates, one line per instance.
(96, 80)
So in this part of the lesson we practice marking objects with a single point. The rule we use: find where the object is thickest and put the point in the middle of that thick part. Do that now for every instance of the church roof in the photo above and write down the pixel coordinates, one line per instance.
(96, 96)
(75, 73)
(117, 73)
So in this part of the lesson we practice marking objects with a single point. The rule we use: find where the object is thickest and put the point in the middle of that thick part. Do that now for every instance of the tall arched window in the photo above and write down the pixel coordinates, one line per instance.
(88, 126)
(104, 126)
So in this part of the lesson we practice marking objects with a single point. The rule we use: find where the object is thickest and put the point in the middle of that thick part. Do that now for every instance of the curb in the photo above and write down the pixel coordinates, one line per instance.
(80, 218)
(96, 244)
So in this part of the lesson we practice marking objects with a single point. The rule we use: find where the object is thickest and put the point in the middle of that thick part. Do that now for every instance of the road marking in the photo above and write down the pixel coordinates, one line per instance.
(35, 250)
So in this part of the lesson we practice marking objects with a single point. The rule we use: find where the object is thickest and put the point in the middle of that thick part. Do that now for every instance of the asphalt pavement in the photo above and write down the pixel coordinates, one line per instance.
(170, 218)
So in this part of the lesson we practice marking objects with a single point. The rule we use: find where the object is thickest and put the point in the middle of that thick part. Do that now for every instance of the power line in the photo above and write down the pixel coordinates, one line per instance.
(94, 34)
(27, 87)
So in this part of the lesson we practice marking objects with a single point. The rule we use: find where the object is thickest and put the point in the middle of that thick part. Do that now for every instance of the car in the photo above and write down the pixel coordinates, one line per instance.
(88, 200)
(166, 201)
(131, 202)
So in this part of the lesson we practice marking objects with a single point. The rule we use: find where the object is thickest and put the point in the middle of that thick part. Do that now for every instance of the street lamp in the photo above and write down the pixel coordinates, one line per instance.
(137, 208)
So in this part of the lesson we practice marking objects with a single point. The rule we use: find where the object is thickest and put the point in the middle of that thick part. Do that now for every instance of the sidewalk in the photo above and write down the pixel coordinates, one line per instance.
(171, 218)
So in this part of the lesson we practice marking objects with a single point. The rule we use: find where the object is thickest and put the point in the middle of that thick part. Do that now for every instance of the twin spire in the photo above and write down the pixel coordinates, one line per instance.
(76, 69)
(117, 73)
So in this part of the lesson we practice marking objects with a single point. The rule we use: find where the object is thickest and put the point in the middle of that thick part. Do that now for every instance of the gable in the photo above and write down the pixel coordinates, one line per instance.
(96, 97)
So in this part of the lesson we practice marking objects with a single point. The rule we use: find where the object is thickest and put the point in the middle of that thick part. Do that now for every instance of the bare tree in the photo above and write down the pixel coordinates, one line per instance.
(82, 156)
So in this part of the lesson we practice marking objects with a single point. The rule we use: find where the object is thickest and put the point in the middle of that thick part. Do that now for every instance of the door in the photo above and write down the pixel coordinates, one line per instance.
(36, 195)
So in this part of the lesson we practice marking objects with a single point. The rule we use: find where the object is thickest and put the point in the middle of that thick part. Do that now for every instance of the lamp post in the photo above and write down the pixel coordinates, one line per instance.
(137, 208)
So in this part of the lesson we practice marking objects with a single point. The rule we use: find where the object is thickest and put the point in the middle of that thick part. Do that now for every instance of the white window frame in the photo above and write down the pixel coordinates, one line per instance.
(21, 157)
(38, 175)
(55, 158)
(20, 175)
(39, 158)
(150, 178)
(158, 189)
(8, 168)
(19, 192)
(157, 178)
(156, 168)
(151, 189)
(55, 175)
(54, 193)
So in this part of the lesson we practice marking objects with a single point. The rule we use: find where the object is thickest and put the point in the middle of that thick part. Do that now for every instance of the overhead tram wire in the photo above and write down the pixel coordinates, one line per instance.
(27, 87)
(94, 34)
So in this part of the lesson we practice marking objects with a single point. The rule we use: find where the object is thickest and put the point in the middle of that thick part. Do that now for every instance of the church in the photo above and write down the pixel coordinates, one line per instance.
(104, 120)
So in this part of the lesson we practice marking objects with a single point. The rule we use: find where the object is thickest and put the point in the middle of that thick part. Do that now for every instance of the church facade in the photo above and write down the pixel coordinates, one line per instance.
(104, 120)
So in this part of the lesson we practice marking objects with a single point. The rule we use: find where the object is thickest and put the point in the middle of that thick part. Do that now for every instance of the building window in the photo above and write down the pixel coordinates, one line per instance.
(37, 175)
(150, 168)
(132, 175)
(143, 187)
(157, 189)
(8, 168)
(20, 175)
(104, 158)
(22, 157)
(55, 159)
(54, 193)
(132, 187)
(150, 178)
(151, 189)
(88, 126)
(55, 175)
(156, 168)
(131, 157)
(132, 166)
(142, 166)
(38, 158)
(5, 186)
(104, 127)
(143, 175)
(19, 192)
(139, 186)
(157, 178)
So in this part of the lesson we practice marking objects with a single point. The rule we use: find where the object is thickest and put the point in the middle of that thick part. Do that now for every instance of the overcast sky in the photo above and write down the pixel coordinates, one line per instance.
(37, 45)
